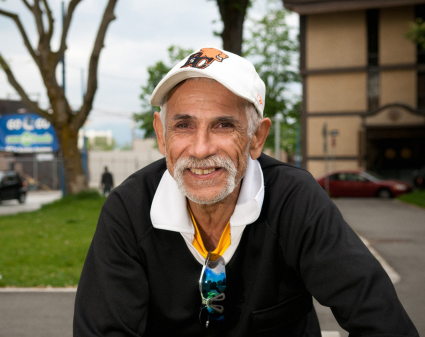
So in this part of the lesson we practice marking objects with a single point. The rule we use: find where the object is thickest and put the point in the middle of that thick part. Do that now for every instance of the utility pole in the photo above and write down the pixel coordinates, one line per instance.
(63, 57)
(62, 168)
(325, 152)
(83, 87)
(297, 145)
(84, 154)
(277, 119)
(334, 134)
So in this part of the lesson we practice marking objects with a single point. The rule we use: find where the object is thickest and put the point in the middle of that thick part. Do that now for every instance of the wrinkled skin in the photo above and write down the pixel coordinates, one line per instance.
(204, 120)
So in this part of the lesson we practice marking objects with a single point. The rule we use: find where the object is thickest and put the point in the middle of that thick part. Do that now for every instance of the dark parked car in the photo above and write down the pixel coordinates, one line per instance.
(362, 184)
(12, 186)
(419, 178)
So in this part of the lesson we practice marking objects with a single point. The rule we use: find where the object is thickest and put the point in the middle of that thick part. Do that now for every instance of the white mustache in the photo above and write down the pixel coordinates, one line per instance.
(212, 162)
(215, 161)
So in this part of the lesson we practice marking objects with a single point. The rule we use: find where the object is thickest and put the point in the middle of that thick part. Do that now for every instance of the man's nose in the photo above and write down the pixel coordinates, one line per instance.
(202, 145)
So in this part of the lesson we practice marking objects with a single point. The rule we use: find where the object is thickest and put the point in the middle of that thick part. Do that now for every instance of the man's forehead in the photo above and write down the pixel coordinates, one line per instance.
(203, 92)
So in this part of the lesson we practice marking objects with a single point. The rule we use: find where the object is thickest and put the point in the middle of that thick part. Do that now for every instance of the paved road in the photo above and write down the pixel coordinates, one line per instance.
(396, 230)
(36, 314)
(33, 202)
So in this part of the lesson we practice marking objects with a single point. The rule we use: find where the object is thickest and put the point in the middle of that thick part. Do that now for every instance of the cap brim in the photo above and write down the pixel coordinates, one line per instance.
(169, 82)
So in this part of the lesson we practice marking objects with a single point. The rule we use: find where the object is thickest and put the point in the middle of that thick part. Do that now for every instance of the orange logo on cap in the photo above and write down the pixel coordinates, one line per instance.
(259, 99)
(204, 58)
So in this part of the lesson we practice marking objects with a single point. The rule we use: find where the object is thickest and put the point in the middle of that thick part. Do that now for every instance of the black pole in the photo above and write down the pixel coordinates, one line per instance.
(62, 167)
(63, 57)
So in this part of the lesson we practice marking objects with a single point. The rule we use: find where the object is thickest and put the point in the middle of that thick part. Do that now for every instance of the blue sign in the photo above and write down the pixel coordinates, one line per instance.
(27, 133)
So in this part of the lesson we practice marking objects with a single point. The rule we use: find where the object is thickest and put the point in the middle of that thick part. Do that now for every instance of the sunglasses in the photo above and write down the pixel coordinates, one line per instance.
(212, 284)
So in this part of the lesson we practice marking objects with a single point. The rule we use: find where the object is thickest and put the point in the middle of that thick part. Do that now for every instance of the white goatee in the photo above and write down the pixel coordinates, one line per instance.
(215, 161)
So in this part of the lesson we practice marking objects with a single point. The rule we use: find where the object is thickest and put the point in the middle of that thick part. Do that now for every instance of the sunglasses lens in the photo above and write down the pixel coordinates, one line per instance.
(214, 278)
(213, 283)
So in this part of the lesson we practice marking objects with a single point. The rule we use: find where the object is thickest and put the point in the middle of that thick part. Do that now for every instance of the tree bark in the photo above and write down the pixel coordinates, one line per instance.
(233, 16)
(75, 180)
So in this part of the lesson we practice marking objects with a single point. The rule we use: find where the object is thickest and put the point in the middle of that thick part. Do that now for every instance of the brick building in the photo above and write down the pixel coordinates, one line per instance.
(364, 79)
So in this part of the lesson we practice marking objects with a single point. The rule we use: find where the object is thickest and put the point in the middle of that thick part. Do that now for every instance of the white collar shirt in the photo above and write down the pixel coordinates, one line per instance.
(169, 209)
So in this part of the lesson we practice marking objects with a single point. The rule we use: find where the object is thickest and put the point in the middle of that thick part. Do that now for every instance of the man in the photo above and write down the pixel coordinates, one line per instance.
(107, 182)
(276, 237)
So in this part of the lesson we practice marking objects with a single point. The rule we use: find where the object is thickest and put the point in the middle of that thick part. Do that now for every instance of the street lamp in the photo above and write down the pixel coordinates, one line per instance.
(277, 118)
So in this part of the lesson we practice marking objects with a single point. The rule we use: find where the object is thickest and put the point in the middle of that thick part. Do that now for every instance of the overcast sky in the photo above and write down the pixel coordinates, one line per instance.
(137, 39)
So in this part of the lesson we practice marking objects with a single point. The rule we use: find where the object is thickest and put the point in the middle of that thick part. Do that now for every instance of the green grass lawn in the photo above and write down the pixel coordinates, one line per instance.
(48, 247)
(416, 198)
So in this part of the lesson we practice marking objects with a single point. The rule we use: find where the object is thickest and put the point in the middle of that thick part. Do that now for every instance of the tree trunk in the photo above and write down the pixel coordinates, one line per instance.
(75, 180)
(233, 15)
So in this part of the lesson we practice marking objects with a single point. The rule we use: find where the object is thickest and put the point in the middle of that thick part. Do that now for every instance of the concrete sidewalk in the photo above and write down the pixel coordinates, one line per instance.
(36, 314)
(34, 201)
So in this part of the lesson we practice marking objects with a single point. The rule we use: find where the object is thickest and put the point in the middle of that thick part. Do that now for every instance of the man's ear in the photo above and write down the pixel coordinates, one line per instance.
(259, 138)
(159, 130)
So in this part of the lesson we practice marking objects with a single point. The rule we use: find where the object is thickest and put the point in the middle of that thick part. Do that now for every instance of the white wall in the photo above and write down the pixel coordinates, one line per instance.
(121, 163)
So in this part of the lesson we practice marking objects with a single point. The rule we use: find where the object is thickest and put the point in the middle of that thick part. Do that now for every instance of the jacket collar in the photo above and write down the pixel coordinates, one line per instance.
(169, 212)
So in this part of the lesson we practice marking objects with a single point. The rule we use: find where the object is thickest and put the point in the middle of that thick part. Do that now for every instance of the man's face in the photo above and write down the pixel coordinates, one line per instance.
(206, 141)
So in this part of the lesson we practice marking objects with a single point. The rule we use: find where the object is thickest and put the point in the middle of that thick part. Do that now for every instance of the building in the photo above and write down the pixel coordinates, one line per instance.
(364, 81)
(96, 139)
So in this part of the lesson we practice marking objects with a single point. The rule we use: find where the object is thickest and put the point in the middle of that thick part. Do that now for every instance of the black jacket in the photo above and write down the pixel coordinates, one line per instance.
(107, 179)
(142, 281)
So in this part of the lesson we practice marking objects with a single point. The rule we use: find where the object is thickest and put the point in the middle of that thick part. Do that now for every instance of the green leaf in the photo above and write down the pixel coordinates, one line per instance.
(416, 32)
(156, 73)
(273, 51)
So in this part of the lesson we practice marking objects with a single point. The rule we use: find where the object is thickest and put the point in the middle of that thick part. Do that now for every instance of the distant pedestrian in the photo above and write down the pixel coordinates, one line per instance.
(107, 182)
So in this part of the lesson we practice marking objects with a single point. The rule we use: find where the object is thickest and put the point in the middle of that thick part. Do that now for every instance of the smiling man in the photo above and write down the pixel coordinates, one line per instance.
(218, 239)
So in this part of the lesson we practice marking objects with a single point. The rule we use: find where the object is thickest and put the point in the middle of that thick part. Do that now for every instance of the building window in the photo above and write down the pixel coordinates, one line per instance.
(372, 17)
(420, 59)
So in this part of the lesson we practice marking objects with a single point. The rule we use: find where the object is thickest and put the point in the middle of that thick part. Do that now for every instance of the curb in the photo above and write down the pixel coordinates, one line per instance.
(37, 290)
(409, 205)
(394, 276)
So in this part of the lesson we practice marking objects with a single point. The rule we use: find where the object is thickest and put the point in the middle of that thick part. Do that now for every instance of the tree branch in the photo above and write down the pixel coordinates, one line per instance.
(24, 35)
(38, 15)
(108, 17)
(14, 83)
(27, 5)
(67, 23)
(50, 18)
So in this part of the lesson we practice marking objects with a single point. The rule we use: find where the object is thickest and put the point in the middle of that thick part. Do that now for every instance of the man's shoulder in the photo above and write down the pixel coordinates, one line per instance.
(290, 188)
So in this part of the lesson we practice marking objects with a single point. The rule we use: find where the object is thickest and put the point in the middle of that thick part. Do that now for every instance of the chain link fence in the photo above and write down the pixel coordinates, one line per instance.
(40, 172)
(44, 171)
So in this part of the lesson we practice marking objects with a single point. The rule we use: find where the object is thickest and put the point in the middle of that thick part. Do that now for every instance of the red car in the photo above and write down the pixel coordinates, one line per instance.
(361, 184)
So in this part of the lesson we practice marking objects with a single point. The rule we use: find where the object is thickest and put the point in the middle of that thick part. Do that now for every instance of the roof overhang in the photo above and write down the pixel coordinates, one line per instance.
(324, 6)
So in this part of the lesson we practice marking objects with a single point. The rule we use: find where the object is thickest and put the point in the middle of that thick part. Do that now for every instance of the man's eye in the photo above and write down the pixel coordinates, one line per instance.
(182, 126)
(225, 125)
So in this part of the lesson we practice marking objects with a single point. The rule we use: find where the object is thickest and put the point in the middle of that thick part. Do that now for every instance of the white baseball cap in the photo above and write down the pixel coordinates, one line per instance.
(234, 72)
